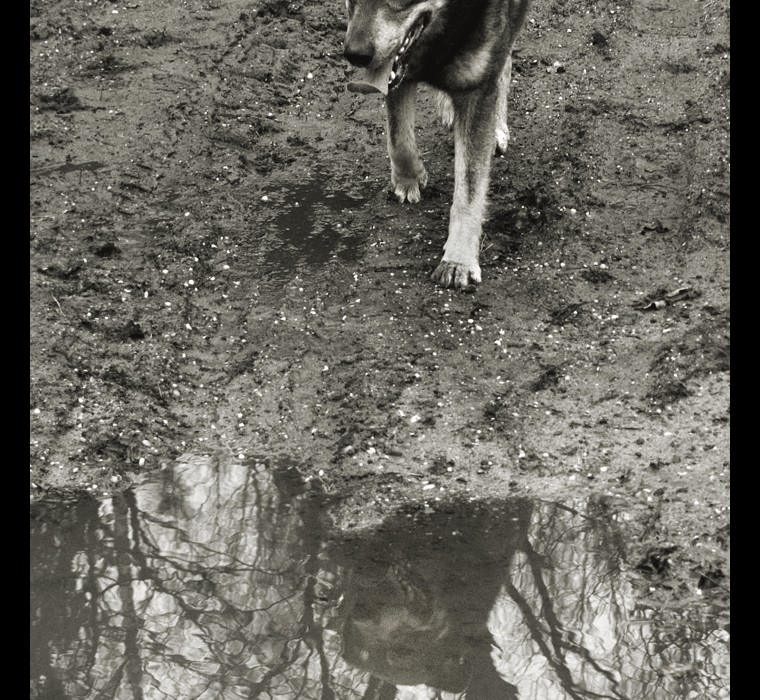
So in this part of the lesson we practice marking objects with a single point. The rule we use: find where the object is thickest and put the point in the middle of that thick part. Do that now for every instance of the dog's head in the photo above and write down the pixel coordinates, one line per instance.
(397, 630)
(382, 36)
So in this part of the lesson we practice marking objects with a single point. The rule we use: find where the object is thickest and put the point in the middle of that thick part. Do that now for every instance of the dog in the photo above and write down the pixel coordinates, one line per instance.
(463, 49)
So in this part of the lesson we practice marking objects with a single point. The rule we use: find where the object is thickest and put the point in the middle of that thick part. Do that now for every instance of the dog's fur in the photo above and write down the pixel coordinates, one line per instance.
(465, 52)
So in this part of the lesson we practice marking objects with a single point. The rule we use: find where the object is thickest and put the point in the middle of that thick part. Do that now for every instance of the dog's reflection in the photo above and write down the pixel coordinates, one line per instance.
(415, 610)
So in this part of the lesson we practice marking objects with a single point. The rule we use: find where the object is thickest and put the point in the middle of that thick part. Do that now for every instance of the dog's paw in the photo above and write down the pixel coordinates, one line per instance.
(502, 139)
(457, 275)
(407, 189)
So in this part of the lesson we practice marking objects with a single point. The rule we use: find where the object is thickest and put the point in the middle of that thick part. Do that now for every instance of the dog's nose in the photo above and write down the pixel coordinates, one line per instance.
(359, 52)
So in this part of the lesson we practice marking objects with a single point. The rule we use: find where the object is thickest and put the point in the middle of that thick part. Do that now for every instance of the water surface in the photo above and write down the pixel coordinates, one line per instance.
(310, 226)
(219, 579)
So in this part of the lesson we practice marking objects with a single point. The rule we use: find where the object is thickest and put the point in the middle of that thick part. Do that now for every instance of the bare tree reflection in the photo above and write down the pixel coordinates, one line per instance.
(224, 580)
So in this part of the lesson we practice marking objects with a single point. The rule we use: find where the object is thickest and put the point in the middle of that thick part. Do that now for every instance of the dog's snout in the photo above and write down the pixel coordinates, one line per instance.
(358, 52)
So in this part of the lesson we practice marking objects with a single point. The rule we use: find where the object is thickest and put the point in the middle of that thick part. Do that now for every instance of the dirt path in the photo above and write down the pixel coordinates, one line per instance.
(217, 263)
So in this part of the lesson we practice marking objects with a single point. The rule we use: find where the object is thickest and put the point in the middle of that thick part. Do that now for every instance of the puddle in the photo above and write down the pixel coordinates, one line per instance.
(311, 226)
(216, 579)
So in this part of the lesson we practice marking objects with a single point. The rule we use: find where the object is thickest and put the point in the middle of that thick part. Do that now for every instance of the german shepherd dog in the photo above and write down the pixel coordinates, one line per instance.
(463, 48)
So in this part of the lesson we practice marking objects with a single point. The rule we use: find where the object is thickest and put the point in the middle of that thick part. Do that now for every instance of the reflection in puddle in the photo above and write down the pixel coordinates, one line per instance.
(216, 579)
(308, 229)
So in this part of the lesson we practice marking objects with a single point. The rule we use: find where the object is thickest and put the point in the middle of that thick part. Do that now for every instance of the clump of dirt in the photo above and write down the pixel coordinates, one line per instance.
(171, 313)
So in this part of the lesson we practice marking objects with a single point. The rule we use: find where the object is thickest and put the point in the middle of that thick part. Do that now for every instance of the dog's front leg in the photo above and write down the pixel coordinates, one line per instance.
(474, 141)
(408, 174)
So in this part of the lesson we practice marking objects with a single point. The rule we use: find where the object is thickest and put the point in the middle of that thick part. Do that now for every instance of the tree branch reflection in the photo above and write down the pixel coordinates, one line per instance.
(218, 579)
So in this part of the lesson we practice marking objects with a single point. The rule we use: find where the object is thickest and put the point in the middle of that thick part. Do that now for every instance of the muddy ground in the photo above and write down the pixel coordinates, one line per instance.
(217, 264)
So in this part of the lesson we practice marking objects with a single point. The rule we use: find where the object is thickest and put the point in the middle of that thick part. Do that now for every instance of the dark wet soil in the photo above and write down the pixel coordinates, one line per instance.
(217, 264)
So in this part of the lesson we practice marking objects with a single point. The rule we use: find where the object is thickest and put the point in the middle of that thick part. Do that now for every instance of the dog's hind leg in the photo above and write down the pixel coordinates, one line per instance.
(502, 130)
(474, 130)
(408, 174)
(445, 109)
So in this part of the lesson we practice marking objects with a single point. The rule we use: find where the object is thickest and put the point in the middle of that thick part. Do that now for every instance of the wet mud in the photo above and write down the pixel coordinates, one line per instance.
(217, 264)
